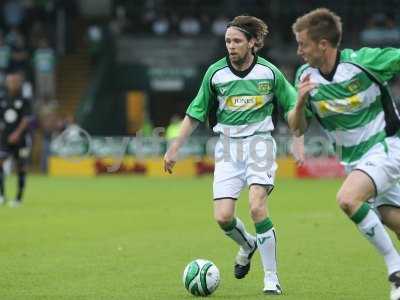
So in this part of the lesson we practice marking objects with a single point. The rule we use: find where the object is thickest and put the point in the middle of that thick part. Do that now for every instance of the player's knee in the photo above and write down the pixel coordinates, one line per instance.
(257, 210)
(346, 202)
(223, 218)
(257, 203)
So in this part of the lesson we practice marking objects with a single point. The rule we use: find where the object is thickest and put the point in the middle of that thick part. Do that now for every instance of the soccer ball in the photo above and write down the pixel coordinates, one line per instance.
(201, 277)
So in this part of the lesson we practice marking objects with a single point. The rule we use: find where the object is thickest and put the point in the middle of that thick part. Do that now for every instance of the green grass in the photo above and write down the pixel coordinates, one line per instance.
(131, 237)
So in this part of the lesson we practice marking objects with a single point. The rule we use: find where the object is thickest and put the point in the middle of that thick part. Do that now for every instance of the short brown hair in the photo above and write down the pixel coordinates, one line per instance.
(252, 27)
(320, 23)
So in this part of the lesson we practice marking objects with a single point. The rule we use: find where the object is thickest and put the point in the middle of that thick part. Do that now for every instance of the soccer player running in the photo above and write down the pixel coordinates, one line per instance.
(347, 92)
(15, 113)
(243, 85)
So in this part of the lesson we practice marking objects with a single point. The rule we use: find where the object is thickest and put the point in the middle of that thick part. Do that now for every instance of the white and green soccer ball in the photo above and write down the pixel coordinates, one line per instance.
(201, 277)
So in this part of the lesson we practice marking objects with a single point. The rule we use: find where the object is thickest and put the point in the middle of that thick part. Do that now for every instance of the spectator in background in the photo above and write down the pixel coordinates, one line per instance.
(147, 19)
(12, 36)
(5, 58)
(49, 122)
(120, 23)
(44, 67)
(161, 25)
(13, 13)
(189, 25)
(20, 54)
(381, 29)
(95, 39)
(27, 89)
(36, 33)
(219, 25)
(205, 21)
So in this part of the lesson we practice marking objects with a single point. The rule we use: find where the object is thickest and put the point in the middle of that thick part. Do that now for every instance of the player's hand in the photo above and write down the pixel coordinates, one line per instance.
(13, 138)
(303, 90)
(170, 159)
(297, 150)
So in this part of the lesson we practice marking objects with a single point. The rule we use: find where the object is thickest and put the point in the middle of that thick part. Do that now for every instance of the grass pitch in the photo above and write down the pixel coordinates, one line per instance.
(131, 237)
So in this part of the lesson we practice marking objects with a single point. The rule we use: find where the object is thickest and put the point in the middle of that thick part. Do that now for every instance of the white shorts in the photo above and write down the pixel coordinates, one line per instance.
(382, 164)
(240, 161)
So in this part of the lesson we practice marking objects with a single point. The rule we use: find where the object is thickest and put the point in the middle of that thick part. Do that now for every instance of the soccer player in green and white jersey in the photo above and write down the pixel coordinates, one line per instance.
(347, 92)
(243, 85)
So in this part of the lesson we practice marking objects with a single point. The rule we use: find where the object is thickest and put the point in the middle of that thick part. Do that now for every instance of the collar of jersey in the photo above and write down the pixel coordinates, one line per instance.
(329, 76)
(243, 73)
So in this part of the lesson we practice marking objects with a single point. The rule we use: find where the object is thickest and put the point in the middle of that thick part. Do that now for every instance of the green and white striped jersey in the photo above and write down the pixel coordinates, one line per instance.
(244, 98)
(354, 107)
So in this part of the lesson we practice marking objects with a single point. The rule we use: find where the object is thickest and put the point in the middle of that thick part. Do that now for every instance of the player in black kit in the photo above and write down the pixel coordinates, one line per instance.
(15, 142)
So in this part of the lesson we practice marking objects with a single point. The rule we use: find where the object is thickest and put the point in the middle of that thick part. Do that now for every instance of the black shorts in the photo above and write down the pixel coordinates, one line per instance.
(20, 151)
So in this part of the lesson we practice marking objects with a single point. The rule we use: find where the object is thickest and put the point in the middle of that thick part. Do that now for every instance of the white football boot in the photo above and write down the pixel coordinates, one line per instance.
(271, 284)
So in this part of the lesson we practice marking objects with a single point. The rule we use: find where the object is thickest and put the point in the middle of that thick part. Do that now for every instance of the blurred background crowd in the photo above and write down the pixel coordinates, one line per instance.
(130, 67)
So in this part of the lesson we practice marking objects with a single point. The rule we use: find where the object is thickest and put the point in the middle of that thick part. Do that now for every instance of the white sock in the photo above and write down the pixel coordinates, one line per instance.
(372, 228)
(267, 247)
(237, 232)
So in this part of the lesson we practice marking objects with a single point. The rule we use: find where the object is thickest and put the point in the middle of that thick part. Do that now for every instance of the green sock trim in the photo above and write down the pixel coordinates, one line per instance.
(361, 213)
(264, 226)
(229, 226)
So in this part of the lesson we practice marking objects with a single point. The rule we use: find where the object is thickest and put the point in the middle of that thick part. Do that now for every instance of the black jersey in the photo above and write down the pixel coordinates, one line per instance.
(12, 110)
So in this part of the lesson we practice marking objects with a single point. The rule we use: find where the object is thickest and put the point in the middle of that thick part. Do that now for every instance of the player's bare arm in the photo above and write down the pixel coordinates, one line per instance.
(297, 118)
(188, 125)
(297, 149)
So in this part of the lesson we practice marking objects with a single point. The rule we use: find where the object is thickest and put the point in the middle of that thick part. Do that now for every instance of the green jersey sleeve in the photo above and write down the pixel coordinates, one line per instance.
(383, 62)
(285, 93)
(201, 104)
